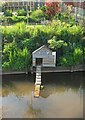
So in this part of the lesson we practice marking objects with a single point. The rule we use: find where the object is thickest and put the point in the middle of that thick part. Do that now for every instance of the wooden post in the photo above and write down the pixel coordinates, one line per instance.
(37, 91)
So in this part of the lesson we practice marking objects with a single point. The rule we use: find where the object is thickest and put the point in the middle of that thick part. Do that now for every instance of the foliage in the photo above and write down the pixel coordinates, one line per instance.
(21, 12)
(52, 8)
(64, 17)
(56, 44)
(8, 12)
(20, 40)
(15, 19)
(72, 58)
(37, 15)
(43, 8)
(15, 58)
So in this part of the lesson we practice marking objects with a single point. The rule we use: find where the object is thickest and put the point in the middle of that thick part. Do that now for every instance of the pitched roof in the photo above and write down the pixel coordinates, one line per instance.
(40, 49)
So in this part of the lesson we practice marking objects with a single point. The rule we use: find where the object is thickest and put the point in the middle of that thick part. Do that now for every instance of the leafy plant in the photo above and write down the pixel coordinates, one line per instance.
(15, 58)
(37, 15)
(52, 8)
(21, 12)
(8, 12)
(56, 44)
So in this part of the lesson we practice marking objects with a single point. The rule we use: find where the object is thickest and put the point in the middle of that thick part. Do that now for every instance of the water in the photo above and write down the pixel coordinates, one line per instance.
(62, 96)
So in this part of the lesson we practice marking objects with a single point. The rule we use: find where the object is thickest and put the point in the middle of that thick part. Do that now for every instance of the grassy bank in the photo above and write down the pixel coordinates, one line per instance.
(20, 40)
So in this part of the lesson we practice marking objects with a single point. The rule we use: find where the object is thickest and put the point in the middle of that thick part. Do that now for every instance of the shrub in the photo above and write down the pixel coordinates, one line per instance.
(56, 44)
(72, 58)
(8, 12)
(15, 58)
(43, 8)
(37, 15)
(5, 66)
(21, 12)
(52, 8)
(16, 19)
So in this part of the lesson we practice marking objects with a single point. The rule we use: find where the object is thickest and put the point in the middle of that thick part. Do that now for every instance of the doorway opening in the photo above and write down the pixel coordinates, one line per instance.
(39, 61)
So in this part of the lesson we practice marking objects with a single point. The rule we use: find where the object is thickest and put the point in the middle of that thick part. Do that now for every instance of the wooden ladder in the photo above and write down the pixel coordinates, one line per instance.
(38, 81)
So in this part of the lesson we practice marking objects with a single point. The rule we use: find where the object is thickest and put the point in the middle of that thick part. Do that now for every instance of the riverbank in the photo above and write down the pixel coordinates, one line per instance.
(58, 69)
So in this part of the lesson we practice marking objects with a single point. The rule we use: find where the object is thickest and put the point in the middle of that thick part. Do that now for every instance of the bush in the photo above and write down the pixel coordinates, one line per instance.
(16, 19)
(5, 66)
(52, 8)
(43, 8)
(15, 58)
(56, 44)
(65, 18)
(21, 12)
(8, 13)
(37, 15)
(72, 58)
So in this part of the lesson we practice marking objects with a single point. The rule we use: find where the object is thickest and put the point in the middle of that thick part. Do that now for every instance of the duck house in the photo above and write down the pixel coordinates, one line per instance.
(44, 57)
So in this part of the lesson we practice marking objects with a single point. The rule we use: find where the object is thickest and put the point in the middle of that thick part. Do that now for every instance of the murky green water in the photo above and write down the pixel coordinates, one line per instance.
(62, 96)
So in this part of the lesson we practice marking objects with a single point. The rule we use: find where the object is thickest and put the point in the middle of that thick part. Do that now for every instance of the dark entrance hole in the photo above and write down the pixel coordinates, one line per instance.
(38, 61)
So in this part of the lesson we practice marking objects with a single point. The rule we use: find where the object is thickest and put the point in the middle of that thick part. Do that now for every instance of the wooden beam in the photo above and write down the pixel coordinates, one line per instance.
(37, 91)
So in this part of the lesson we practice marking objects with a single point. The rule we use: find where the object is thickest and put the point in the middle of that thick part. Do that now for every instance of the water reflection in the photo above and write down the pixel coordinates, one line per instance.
(62, 97)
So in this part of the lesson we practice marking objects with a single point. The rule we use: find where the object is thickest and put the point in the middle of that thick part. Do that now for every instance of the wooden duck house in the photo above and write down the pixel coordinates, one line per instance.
(44, 56)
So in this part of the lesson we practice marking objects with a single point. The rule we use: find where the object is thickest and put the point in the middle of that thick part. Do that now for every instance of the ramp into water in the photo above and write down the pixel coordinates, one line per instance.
(38, 81)
(37, 91)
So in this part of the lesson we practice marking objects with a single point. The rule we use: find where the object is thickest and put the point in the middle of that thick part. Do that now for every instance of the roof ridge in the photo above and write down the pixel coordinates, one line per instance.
(39, 49)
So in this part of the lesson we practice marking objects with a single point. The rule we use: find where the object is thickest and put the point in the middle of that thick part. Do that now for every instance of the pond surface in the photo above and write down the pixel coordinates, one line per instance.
(61, 97)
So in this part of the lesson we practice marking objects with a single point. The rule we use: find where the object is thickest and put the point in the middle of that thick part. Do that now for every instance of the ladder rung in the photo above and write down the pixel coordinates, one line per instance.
(38, 76)
(37, 83)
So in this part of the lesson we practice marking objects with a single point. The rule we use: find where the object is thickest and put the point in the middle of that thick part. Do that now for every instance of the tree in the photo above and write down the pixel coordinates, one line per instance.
(52, 8)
